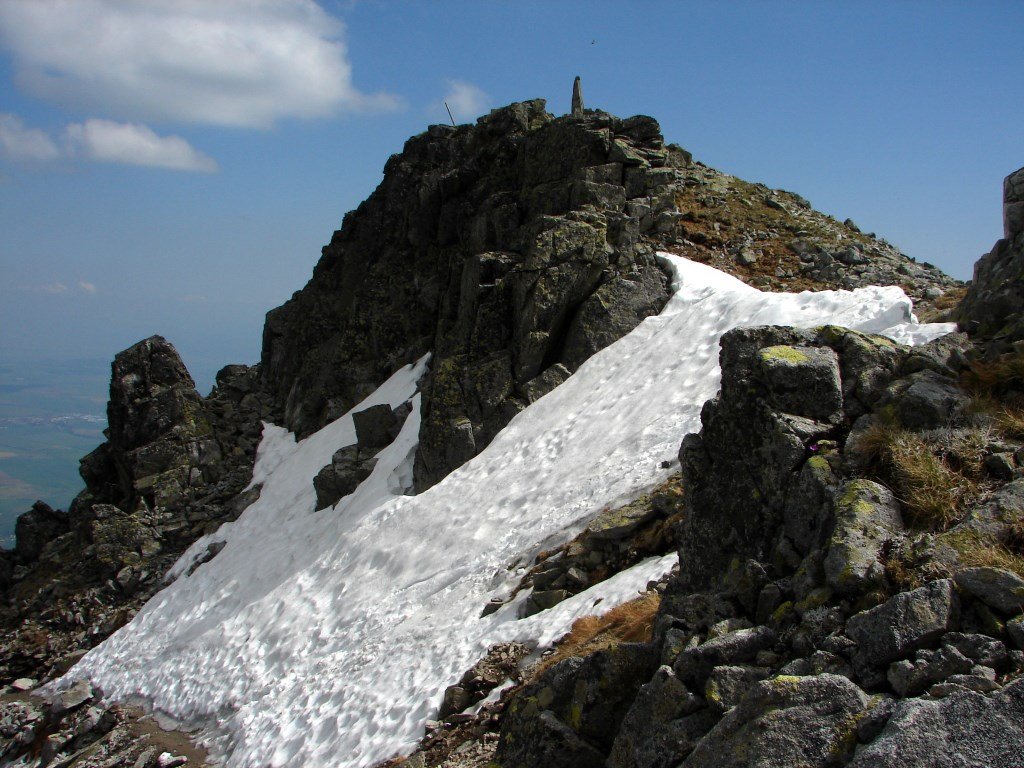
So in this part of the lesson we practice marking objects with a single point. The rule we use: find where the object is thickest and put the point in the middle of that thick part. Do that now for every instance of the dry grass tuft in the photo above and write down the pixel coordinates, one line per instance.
(1008, 421)
(934, 474)
(975, 550)
(630, 622)
(997, 379)
(931, 492)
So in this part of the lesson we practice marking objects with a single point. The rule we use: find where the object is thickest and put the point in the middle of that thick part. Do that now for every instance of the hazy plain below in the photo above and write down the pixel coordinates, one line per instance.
(51, 414)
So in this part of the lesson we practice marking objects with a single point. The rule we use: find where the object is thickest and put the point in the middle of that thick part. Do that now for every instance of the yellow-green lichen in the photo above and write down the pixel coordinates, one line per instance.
(785, 353)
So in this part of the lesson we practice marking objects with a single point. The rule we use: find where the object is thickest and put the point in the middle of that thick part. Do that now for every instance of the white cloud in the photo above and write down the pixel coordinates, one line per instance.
(87, 286)
(20, 143)
(466, 100)
(51, 288)
(230, 62)
(109, 142)
(194, 298)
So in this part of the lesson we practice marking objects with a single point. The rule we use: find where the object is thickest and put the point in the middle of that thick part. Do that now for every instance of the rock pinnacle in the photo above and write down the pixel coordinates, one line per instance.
(577, 98)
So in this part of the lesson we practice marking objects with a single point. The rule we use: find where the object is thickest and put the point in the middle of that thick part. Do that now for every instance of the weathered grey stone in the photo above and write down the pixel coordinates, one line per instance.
(802, 380)
(456, 698)
(818, 663)
(996, 587)
(962, 729)
(929, 402)
(159, 431)
(726, 685)
(808, 507)
(1000, 465)
(867, 515)
(604, 690)
(746, 256)
(993, 309)
(611, 312)
(786, 721)
(348, 468)
(979, 683)
(659, 730)
(693, 665)
(911, 678)
(904, 623)
(586, 701)
(550, 742)
(544, 599)
(1015, 629)
(550, 378)
(614, 524)
(997, 518)
(981, 649)
(73, 697)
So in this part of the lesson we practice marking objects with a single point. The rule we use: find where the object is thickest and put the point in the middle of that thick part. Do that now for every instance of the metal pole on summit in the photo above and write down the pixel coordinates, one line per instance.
(577, 98)
(450, 112)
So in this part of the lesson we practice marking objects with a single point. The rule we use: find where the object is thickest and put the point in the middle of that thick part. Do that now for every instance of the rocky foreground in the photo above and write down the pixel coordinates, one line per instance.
(851, 516)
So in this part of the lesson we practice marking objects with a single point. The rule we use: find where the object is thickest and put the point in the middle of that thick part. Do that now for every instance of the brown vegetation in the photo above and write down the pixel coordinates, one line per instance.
(630, 622)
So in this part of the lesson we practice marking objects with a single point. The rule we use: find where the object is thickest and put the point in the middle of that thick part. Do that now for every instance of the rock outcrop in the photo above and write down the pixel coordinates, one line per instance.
(505, 248)
(993, 309)
(817, 618)
(172, 469)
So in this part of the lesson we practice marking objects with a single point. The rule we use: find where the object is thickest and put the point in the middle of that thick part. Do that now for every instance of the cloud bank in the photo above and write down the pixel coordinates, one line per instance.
(109, 142)
(102, 141)
(228, 63)
(20, 143)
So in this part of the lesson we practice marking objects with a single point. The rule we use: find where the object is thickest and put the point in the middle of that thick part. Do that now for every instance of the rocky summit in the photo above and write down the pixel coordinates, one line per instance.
(849, 517)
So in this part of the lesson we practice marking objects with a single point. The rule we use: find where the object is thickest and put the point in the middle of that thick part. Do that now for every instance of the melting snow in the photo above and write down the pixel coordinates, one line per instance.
(327, 638)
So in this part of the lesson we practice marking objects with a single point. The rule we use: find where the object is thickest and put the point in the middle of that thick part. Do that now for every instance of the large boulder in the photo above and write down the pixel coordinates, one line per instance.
(662, 726)
(348, 468)
(963, 729)
(786, 721)
(867, 516)
(758, 471)
(904, 623)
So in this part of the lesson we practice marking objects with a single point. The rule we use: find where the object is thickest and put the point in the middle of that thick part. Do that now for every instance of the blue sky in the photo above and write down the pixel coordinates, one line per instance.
(175, 166)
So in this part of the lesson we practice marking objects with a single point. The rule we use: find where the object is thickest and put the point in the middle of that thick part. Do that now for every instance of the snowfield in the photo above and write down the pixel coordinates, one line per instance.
(328, 638)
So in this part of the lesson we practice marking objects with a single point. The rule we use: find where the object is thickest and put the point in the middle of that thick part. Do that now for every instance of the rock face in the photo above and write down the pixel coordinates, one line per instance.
(516, 253)
(511, 251)
(993, 308)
